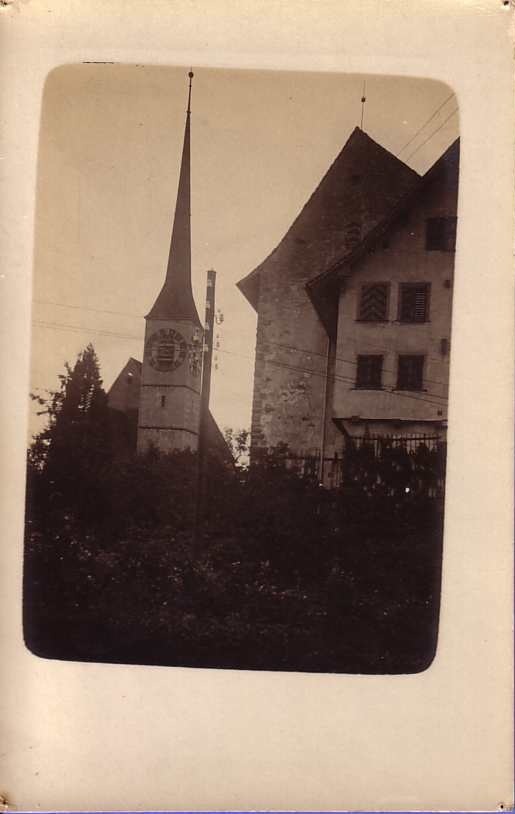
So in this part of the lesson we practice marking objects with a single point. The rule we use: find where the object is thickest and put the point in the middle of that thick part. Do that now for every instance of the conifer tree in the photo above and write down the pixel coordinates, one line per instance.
(68, 457)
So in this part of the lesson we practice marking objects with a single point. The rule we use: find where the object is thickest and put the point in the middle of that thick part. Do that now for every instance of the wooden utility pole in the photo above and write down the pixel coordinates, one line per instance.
(203, 441)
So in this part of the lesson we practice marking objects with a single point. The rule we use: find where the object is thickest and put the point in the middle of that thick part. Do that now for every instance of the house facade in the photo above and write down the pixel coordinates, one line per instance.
(354, 307)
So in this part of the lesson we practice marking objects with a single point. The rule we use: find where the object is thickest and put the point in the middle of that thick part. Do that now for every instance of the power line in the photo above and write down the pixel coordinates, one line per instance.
(348, 379)
(341, 377)
(354, 362)
(48, 323)
(86, 308)
(133, 337)
(426, 123)
(61, 326)
(78, 328)
(340, 358)
(84, 329)
(335, 376)
(432, 134)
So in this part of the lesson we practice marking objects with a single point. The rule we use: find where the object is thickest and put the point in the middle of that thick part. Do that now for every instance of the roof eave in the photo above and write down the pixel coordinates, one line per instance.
(371, 239)
(324, 301)
(249, 287)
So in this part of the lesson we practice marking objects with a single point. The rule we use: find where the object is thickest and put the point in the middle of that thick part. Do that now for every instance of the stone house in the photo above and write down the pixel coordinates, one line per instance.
(354, 306)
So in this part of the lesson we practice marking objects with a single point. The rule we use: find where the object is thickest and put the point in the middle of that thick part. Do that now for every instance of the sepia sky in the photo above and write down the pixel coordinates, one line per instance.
(110, 146)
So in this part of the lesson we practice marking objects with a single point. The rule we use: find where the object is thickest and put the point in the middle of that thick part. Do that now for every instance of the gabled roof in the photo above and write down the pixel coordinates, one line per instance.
(321, 289)
(120, 395)
(132, 361)
(362, 184)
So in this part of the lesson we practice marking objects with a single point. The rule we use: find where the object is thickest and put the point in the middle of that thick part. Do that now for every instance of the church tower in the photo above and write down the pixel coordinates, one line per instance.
(169, 405)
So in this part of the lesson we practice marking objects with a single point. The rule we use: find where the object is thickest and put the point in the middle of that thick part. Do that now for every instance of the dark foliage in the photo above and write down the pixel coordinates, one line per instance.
(389, 468)
(283, 575)
(67, 459)
(280, 574)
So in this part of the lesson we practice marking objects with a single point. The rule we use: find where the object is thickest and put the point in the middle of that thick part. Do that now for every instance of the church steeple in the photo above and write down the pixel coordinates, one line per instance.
(175, 300)
(169, 404)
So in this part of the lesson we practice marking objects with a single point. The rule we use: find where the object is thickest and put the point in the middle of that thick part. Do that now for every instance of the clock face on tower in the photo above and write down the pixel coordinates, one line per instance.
(166, 349)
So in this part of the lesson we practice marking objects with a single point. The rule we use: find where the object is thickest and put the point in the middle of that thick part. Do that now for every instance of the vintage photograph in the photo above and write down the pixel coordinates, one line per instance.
(241, 341)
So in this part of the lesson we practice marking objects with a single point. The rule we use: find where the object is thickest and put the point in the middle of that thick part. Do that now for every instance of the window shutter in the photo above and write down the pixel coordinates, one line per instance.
(413, 302)
(374, 302)
(420, 304)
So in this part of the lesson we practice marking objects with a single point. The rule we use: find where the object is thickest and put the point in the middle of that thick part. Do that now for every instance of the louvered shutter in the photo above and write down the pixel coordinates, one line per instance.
(413, 302)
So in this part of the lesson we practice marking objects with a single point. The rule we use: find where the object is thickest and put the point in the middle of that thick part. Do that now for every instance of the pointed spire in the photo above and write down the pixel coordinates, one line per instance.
(363, 100)
(191, 75)
(175, 299)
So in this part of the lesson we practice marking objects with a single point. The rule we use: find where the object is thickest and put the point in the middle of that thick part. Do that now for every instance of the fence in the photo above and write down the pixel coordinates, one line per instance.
(396, 465)
(392, 464)
(410, 443)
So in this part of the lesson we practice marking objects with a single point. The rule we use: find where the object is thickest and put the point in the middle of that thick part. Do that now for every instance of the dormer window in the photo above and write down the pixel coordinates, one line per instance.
(373, 303)
(441, 234)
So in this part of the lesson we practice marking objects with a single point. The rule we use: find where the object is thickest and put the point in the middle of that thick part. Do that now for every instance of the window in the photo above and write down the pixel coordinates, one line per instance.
(369, 372)
(414, 302)
(441, 234)
(163, 401)
(373, 304)
(410, 373)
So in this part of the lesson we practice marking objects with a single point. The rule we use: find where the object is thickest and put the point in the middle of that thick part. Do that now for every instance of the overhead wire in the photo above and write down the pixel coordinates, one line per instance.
(88, 308)
(379, 350)
(276, 363)
(412, 139)
(114, 334)
(84, 329)
(233, 353)
(350, 380)
(432, 134)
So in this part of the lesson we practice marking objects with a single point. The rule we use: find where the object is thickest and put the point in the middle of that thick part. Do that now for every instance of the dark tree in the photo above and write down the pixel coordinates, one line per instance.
(67, 459)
